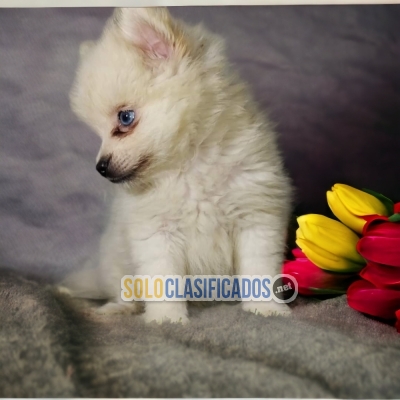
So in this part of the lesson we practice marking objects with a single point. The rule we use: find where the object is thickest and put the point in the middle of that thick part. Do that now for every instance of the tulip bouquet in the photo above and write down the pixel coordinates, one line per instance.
(358, 255)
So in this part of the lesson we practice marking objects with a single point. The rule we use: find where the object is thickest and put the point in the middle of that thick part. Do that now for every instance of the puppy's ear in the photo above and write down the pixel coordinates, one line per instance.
(152, 30)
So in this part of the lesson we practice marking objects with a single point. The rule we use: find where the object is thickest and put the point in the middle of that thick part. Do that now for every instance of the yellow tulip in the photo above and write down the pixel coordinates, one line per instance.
(350, 204)
(328, 243)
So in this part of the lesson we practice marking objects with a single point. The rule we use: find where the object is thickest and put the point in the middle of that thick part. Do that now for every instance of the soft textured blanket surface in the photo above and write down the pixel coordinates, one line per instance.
(52, 346)
(329, 77)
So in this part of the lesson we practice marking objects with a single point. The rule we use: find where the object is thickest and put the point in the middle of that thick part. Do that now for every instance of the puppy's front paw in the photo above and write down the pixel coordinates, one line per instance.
(267, 308)
(63, 290)
(175, 312)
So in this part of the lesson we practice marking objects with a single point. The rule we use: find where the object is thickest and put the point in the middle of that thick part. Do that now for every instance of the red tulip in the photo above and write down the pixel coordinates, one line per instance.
(381, 241)
(398, 320)
(364, 297)
(313, 280)
(382, 276)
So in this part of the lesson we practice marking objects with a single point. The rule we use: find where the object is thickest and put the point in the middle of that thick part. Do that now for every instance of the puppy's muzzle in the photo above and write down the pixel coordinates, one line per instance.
(105, 168)
(115, 175)
(102, 166)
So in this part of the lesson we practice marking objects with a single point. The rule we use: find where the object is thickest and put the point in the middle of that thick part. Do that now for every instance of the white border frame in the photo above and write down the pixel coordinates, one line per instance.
(155, 3)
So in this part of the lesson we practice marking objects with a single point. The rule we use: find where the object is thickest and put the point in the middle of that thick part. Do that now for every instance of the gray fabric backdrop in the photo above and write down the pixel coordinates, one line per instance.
(328, 75)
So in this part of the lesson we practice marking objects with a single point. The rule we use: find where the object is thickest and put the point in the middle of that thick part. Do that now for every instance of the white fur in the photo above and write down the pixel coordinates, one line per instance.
(214, 198)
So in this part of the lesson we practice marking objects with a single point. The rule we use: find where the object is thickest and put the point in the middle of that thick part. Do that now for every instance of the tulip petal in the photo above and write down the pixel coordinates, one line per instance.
(312, 280)
(309, 247)
(398, 320)
(350, 204)
(382, 276)
(326, 260)
(382, 228)
(364, 297)
(329, 235)
(359, 202)
(388, 204)
(381, 250)
(298, 254)
(300, 234)
(372, 219)
(343, 214)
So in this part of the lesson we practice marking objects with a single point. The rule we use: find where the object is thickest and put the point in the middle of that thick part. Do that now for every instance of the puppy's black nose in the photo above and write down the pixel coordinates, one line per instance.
(102, 166)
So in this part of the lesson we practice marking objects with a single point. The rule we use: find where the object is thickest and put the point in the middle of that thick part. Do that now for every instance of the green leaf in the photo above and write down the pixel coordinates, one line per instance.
(394, 218)
(386, 201)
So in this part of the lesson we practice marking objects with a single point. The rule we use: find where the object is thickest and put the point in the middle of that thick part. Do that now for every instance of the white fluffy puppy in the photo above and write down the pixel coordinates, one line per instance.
(199, 183)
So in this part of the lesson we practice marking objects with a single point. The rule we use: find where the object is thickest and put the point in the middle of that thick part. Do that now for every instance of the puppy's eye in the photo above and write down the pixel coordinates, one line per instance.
(126, 117)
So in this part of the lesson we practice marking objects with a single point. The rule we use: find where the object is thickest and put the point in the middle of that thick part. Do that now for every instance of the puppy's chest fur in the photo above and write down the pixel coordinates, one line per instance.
(191, 208)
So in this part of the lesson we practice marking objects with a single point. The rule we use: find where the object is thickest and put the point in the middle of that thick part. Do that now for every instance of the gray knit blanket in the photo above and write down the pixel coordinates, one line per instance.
(53, 346)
